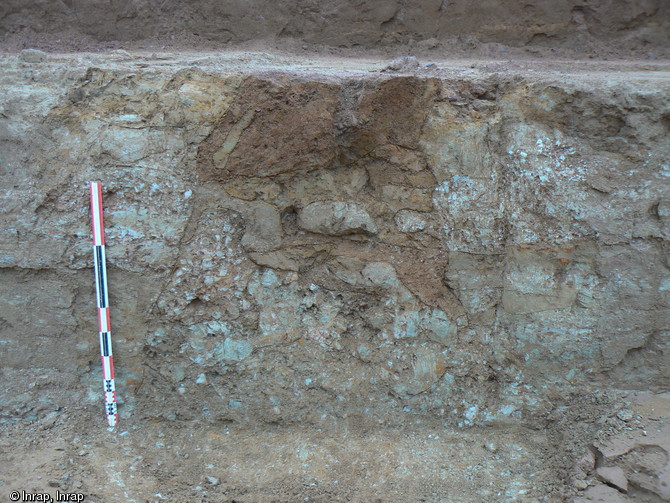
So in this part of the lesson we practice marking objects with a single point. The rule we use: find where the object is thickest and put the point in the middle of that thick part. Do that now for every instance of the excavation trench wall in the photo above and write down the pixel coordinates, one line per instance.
(305, 249)
(602, 27)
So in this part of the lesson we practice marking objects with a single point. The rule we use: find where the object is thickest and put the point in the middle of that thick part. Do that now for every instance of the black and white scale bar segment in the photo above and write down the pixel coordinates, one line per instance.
(100, 276)
(106, 343)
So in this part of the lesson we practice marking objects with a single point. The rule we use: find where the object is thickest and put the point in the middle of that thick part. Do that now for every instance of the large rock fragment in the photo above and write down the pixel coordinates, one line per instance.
(613, 476)
(544, 280)
(477, 281)
(381, 274)
(533, 286)
(336, 218)
(427, 368)
(439, 328)
(263, 230)
(602, 494)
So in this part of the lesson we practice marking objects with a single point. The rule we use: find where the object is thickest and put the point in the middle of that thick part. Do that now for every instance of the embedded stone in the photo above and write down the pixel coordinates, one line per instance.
(32, 56)
(410, 221)
(336, 218)
(380, 274)
(663, 209)
(263, 231)
(236, 350)
(439, 328)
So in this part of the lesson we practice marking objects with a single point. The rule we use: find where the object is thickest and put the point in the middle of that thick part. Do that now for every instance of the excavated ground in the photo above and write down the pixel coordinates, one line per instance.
(337, 279)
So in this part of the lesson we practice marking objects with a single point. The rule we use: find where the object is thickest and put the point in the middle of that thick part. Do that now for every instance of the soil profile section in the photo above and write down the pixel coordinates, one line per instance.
(358, 254)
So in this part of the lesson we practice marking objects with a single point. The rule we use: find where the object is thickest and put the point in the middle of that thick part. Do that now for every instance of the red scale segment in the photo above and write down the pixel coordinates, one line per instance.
(104, 324)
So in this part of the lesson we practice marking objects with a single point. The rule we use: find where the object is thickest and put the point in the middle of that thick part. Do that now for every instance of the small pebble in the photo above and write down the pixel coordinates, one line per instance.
(625, 414)
(120, 53)
(580, 484)
(404, 64)
(587, 462)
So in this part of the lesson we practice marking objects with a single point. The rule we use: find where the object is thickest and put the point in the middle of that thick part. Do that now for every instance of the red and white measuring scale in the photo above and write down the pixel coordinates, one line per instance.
(104, 325)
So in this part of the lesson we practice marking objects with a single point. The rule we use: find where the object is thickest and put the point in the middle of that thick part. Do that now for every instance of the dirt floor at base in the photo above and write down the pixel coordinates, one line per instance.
(72, 452)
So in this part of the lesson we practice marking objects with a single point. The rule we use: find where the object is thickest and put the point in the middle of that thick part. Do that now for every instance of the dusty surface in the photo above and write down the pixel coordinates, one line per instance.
(337, 279)
(147, 461)
(144, 460)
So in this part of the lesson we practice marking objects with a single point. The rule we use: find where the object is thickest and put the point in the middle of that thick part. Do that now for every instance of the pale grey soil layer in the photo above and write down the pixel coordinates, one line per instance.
(341, 277)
